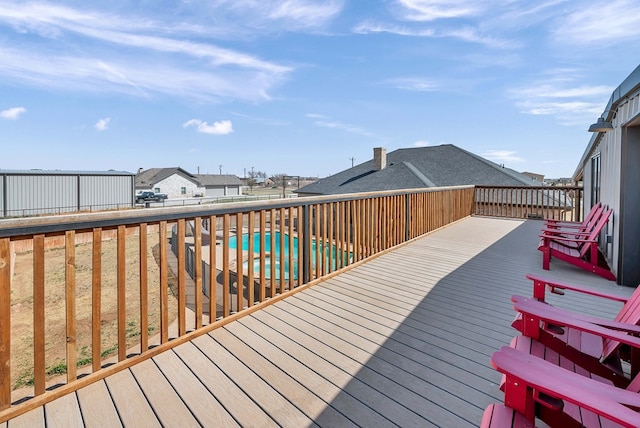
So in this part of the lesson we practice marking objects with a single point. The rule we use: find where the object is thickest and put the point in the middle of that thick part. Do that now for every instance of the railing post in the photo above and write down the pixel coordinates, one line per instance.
(305, 243)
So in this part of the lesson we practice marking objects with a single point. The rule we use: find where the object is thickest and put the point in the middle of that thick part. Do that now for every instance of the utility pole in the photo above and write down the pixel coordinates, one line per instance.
(352, 159)
(220, 166)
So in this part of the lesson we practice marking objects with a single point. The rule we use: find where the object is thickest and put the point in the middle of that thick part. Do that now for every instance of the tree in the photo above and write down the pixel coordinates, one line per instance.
(252, 180)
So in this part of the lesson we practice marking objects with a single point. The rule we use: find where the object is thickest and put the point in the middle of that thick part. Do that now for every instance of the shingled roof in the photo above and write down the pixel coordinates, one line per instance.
(147, 178)
(208, 180)
(433, 166)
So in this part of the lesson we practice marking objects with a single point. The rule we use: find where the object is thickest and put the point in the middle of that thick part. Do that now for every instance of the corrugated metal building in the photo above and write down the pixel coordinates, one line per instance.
(34, 192)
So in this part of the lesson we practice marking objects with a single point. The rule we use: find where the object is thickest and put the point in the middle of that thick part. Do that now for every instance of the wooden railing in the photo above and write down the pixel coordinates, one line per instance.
(88, 295)
(530, 202)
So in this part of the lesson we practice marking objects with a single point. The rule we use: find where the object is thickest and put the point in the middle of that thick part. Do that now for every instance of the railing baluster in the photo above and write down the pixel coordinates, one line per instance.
(239, 261)
(282, 235)
(291, 254)
(226, 297)
(301, 224)
(96, 299)
(213, 272)
(182, 298)
(250, 259)
(272, 253)
(144, 287)
(121, 293)
(263, 243)
(317, 236)
(164, 283)
(38, 315)
(197, 270)
(70, 303)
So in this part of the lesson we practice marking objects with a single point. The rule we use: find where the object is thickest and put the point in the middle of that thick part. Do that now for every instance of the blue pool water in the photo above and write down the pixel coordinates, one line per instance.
(275, 253)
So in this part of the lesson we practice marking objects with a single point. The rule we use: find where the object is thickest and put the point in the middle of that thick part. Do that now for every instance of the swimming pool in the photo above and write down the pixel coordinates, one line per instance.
(330, 256)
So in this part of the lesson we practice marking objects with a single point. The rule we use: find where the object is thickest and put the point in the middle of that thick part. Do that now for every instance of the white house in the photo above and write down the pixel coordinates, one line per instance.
(179, 183)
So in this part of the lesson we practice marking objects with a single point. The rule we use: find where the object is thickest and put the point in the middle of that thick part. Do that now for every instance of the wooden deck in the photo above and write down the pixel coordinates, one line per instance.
(402, 340)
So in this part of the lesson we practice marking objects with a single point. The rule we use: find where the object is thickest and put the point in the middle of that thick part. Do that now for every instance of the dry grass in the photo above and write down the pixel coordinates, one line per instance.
(55, 334)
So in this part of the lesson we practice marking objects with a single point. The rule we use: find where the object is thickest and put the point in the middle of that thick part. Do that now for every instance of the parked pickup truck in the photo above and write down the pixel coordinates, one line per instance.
(150, 197)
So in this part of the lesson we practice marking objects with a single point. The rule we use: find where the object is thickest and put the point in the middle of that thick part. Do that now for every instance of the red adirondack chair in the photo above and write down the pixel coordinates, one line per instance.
(579, 230)
(594, 344)
(595, 211)
(586, 254)
(535, 388)
(559, 337)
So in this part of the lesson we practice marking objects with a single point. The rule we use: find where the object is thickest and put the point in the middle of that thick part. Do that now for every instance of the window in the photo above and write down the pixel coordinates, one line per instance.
(156, 190)
(595, 179)
(183, 190)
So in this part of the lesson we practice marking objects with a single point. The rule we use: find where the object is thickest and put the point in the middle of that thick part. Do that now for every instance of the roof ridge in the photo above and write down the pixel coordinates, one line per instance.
(415, 171)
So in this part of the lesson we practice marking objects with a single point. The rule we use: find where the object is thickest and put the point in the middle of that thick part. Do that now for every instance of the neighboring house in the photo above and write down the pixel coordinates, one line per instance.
(220, 185)
(434, 166)
(179, 183)
(31, 192)
(610, 171)
(538, 179)
(175, 182)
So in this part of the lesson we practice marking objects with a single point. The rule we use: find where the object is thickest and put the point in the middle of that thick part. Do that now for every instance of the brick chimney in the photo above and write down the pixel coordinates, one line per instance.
(379, 158)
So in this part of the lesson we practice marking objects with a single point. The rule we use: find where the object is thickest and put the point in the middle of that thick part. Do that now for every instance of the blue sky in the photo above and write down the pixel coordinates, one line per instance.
(301, 86)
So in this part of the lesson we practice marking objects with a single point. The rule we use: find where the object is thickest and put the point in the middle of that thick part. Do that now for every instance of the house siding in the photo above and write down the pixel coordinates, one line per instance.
(173, 184)
(620, 157)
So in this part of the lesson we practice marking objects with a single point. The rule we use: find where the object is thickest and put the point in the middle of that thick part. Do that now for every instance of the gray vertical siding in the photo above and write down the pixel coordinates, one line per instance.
(39, 194)
(34, 193)
(103, 192)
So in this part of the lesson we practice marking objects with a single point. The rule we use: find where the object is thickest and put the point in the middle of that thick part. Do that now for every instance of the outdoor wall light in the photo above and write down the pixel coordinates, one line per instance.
(601, 125)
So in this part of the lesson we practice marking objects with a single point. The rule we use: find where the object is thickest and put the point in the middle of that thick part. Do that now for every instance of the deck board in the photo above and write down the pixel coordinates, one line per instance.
(204, 406)
(63, 412)
(401, 340)
(130, 402)
(96, 406)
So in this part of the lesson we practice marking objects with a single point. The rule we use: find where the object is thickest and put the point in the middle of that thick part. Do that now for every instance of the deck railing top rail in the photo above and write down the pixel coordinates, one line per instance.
(26, 227)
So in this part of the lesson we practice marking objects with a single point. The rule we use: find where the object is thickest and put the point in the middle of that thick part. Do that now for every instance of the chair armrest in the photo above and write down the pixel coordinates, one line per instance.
(529, 374)
(566, 239)
(550, 223)
(607, 329)
(557, 287)
(554, 232)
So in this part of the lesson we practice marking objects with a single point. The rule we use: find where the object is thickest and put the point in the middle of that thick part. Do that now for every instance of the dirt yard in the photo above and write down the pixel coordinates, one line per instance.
(55, 336)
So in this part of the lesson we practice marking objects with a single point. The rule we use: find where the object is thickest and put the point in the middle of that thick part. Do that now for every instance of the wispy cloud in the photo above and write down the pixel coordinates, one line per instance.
(281, 15)
(326, 122)
(127, 52)
(600, 23)
(429, 10)
(465, 33)
(102, 124)
(222, 127)
(13, 113)
(413, 84)
(369, 27)
(422, 143)
(558, 96)
(502, 156)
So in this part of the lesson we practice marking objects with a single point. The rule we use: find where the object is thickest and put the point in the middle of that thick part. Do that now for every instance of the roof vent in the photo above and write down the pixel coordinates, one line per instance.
(379, 158)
